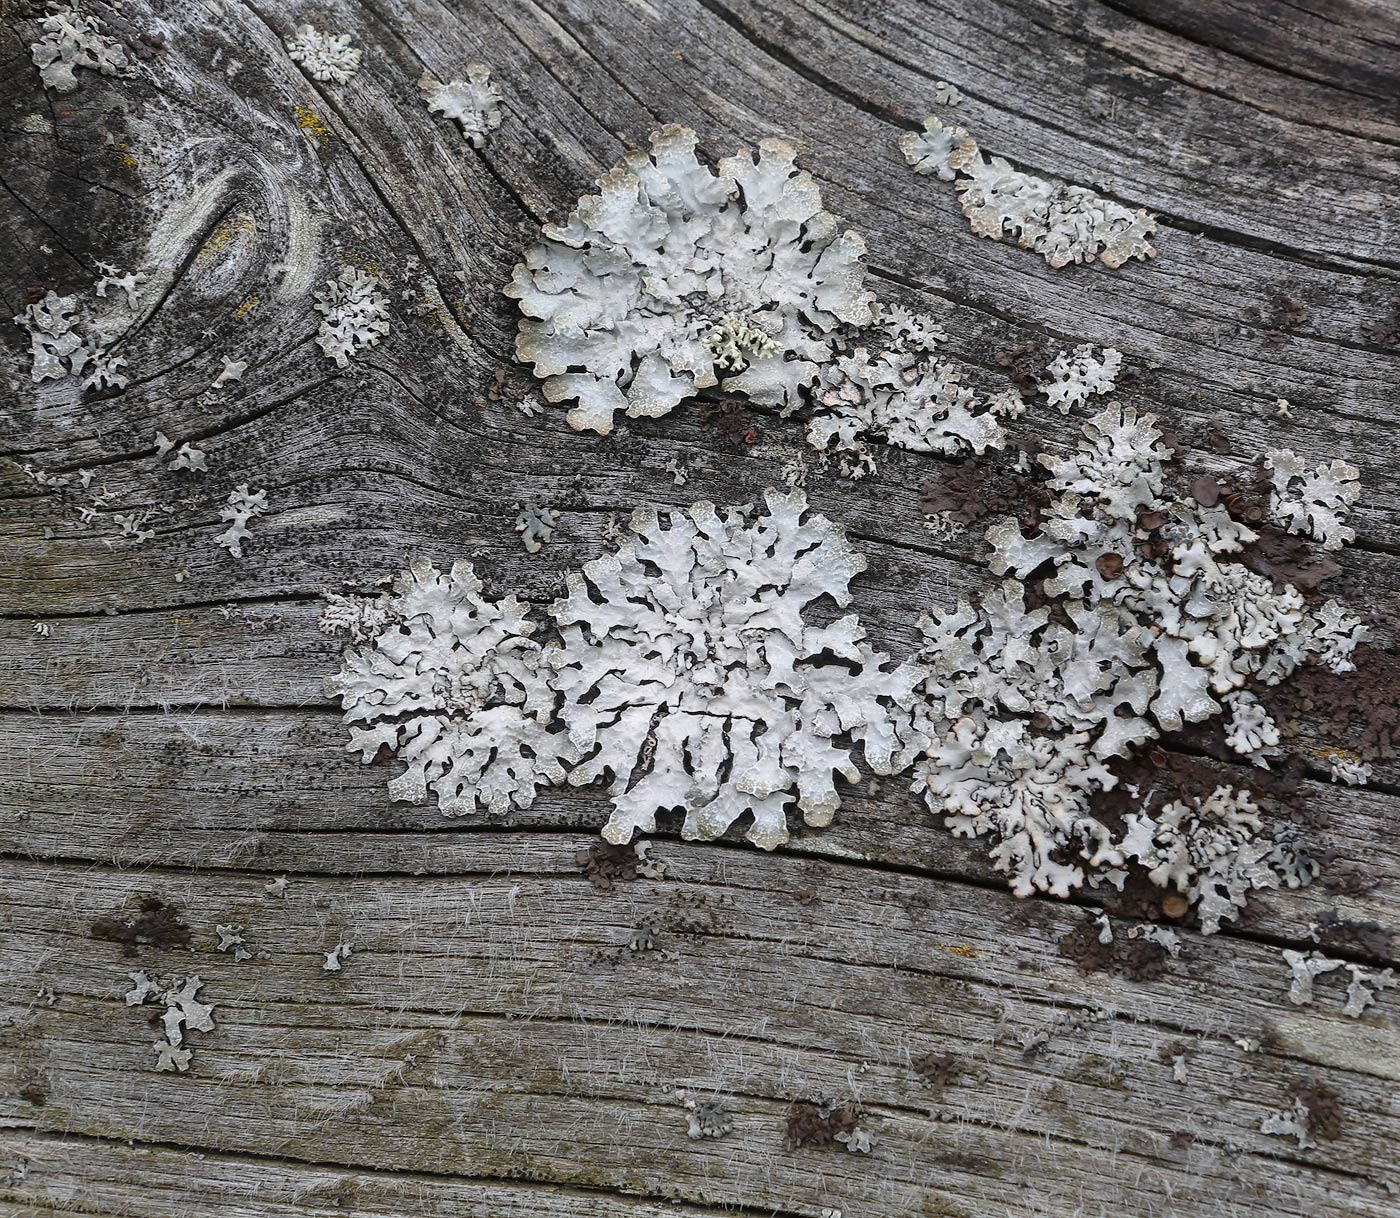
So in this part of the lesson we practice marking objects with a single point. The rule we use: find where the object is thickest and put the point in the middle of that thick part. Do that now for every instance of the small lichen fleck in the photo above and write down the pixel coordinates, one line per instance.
(324, 56)
(1314, 503)
(242, 506)
(535, 524)
(354, 314)
(474, 103)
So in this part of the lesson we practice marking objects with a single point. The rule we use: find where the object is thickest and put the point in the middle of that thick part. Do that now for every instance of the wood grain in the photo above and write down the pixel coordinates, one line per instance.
(493, 1046)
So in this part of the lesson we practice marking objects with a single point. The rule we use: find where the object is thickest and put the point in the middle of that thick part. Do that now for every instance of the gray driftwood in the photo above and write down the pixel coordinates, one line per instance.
(492, 1047)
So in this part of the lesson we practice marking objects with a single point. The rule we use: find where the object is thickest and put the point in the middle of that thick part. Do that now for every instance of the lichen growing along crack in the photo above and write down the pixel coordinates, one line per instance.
(474, 104)
(1062, 223)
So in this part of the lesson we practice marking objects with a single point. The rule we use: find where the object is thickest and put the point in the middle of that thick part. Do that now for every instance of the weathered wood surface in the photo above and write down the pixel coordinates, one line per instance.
(492, 1047)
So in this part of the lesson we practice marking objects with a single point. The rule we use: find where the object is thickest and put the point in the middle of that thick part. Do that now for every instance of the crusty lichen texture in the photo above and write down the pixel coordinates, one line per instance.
(1141, 620)
(675, 277)
(690, 673)
(893, 388)
(1062, 223)
(453, 685)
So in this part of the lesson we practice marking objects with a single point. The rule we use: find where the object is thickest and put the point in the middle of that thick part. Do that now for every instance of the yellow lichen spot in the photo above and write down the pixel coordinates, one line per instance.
(311, 122)
(246, 307)
(1332, 751)
(362, 263)
(239, 227)
(966, 951)
(181, 621)
(127, 158)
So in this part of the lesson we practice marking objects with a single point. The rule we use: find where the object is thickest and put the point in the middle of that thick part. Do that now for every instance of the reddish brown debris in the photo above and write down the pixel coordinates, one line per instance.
(155, 925)
(812, 1125)
(731, 420)
(1025, 364)
(937, 1068)
(1205, 490)
(604, 863)
(1110, 565)
(1135, 959)
(1286, 559)
(1324, 1119)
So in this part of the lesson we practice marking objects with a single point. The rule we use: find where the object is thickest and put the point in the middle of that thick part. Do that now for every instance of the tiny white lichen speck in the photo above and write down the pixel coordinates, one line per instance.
(183, 1013)
(474, 104)
(535, 524)
(324, 56)
(113, 278)
(232, 370)
(187, 456)
(336, 957)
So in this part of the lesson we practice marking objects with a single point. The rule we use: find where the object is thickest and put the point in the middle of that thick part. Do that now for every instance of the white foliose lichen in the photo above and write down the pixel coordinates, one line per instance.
(902, 395)
(1314, 503)
(1350, 770)
(1076, 376)
(1362, 989)
(232, 370)
(535, 524)
(660, 285)
(1364, 986)
(187, 456)
(1211, 850)
(126, 281)
(324, 56)
(183, 1013)
(354, 314)
(1292, 1122)
(453, 685)
(688, 674)
(67, 339)
(72, 40)
(1062, 223)
(54, 341)
(705, 1118)
(355, 617)
(1142, 625)
(242, 506)
(474, 104)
